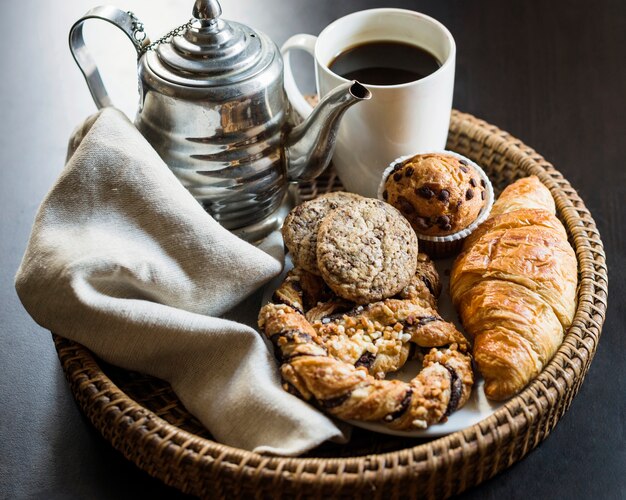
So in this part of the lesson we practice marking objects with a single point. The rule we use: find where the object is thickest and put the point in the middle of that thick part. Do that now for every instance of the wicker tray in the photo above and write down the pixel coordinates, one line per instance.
(144, 420)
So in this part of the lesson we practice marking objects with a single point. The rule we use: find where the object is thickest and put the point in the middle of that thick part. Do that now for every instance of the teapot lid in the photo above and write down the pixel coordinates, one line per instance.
(212, 52)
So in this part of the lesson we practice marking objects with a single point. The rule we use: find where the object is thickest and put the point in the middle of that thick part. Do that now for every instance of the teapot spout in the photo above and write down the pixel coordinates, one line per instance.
(310, 145)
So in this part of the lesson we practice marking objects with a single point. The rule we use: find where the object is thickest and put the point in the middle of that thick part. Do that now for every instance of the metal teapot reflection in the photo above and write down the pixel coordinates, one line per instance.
(212, 104)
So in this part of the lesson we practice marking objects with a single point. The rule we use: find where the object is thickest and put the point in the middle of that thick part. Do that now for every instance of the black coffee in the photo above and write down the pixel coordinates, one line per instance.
(384, 63)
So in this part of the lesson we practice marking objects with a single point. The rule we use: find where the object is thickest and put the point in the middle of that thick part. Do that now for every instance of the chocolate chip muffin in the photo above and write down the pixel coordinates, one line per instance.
(366, 251)
(438, 193)
(301, 226)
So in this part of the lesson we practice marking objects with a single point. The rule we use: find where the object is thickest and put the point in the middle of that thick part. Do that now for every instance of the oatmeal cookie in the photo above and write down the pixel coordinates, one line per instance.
(366, 251)
(301, 226)
(438, 193)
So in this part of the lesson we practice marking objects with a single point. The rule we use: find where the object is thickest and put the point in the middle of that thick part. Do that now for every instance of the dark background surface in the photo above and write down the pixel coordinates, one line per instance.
(551, 73)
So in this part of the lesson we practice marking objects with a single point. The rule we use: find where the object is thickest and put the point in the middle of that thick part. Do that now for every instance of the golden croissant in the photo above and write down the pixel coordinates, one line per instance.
(514, 286)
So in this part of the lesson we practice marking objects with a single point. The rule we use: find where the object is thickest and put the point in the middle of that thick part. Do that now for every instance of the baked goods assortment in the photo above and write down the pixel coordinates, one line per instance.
(338, 335)
(378, 336)
(514, 286)
(361, 300)
(336, 353)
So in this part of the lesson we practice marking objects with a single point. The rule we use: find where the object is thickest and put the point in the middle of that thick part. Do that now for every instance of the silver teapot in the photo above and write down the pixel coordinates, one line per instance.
(212, 104)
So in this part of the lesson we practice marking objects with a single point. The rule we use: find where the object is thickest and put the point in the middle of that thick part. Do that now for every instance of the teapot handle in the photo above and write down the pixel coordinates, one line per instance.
(127, 22)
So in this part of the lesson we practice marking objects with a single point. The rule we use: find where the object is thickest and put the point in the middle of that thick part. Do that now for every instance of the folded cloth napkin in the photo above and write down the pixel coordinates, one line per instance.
(123, 260)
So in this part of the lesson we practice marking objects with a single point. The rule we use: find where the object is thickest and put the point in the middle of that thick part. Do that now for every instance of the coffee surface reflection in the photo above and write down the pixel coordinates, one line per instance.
(384, 63)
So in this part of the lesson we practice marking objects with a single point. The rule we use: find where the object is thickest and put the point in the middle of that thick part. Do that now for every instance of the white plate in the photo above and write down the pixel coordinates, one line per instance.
(477, 408)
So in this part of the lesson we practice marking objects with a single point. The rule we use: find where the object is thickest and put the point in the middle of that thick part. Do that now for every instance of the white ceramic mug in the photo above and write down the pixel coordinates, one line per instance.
(399, 119)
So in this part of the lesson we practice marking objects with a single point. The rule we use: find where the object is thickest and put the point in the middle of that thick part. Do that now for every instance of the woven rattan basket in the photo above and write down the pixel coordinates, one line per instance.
(144, 420)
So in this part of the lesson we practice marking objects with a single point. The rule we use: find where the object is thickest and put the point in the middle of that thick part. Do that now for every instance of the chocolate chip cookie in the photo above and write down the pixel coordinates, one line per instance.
(366, 251)
(439, 194)
(301, 226)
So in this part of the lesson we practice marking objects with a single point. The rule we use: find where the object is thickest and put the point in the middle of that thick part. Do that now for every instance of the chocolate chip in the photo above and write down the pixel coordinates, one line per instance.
(442, 221)
(404, 406)
(428, 284)
(366, 360)
(397, 176)
(463, 162)
(288, 334)
(425, 192)
(405, 206)
(469, 194)
(444, 195)
(422, 223)
(482, 183)
(456, 390)
(464, 169)
(473, 182)
(334, 402)
(295, 355)
(385, 195)
(335, 204)
(345, 310)
(291, 389)
(427, 319)
(397, 167)
(334, 317)
(279, 298)
(409, 171)
(482, 195)
(304, 338)
(458, 204)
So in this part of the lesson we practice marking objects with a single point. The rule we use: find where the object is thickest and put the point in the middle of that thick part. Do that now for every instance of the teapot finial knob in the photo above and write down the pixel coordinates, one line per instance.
(207, 10)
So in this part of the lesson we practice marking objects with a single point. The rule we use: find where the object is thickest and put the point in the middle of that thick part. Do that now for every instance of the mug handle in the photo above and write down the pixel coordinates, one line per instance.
(125, 21)
(302, 42)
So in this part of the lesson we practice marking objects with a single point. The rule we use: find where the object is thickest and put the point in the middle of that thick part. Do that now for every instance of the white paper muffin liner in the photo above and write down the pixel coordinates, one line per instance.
(441, 246)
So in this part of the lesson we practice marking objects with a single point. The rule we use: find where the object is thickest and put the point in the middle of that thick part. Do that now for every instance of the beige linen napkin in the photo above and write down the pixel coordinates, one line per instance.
(123, 260)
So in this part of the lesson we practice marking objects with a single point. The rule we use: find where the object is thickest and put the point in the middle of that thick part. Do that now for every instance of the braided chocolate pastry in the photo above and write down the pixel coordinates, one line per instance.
(379, 336)
(350, 392)
(335, 352)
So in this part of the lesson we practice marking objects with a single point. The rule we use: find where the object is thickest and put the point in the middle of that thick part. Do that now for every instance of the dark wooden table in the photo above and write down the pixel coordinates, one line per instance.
(551, 73)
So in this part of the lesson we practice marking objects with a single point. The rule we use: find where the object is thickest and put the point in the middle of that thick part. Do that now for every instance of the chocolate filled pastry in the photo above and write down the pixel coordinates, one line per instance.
(336, 353)
(514, 286)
